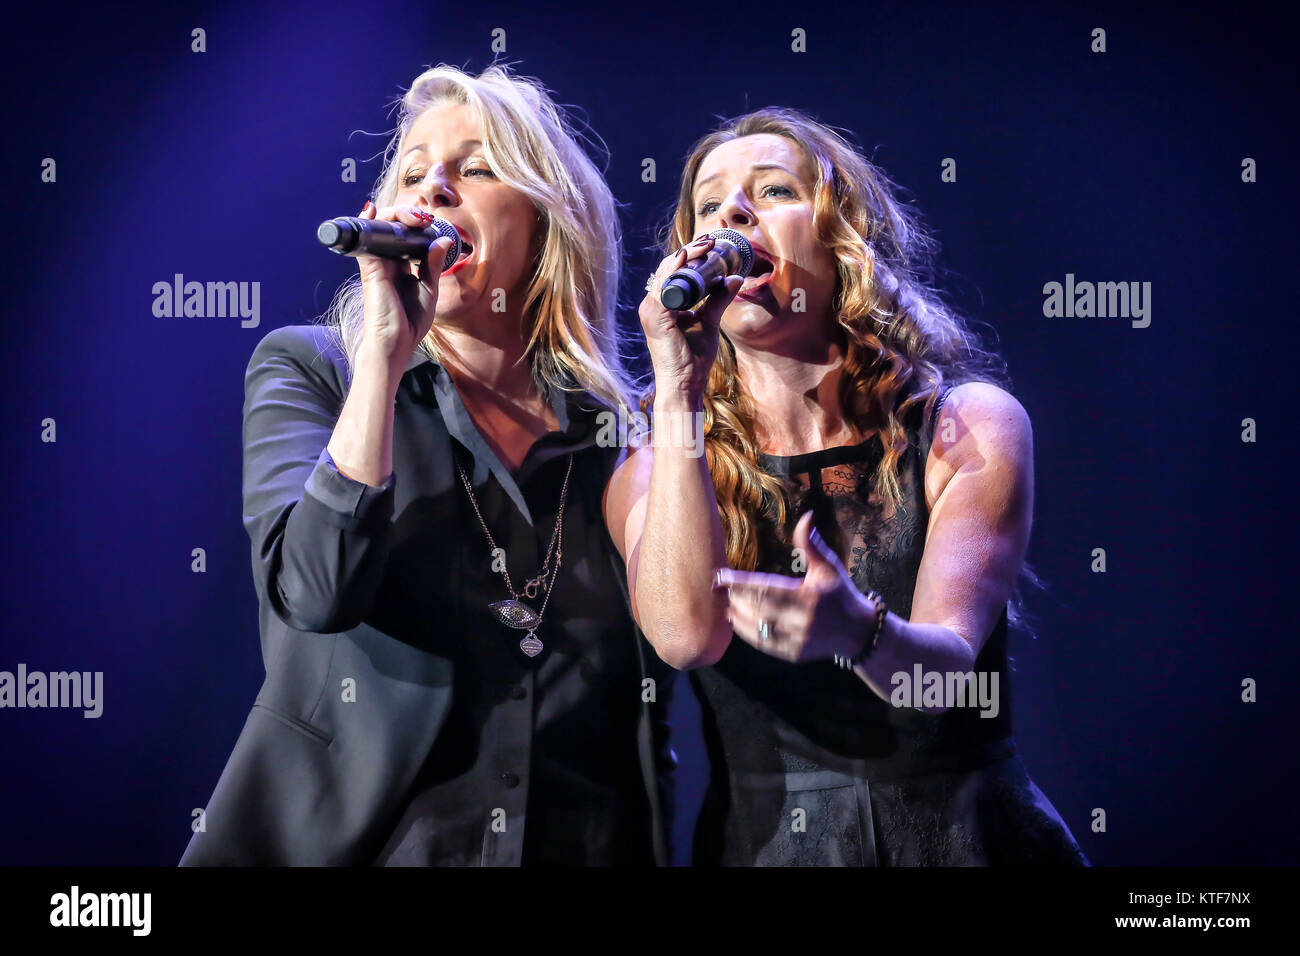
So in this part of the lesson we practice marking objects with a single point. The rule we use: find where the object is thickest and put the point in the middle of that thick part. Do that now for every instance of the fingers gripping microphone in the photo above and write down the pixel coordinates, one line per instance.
(351, 236)
(731, 254)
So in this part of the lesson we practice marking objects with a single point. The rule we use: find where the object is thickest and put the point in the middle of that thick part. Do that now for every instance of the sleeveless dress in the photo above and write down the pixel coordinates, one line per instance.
(811, 767)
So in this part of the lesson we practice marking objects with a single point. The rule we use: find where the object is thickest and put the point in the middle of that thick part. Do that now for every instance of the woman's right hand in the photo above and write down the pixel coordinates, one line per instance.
(399, 304)
(683, 343)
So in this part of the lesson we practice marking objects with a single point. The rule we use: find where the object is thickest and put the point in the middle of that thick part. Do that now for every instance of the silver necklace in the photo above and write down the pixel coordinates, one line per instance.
(514, 612)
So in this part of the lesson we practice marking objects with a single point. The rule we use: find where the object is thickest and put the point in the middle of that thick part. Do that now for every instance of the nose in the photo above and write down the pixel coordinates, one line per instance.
(735, 210)
(436, 191)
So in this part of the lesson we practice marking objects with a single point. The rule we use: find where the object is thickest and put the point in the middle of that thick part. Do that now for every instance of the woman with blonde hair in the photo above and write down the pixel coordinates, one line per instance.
(865, 558)
(453, 674)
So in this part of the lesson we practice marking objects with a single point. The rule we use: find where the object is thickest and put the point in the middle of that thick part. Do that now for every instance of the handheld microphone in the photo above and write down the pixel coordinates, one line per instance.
(731, 254)
(352, 236)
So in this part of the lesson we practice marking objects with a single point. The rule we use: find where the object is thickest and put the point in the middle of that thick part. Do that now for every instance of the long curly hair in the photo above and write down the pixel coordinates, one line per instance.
(902, 344)
(534, 145)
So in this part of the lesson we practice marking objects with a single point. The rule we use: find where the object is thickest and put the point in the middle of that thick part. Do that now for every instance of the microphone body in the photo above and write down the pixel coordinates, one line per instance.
(731, 254)
(353, 236)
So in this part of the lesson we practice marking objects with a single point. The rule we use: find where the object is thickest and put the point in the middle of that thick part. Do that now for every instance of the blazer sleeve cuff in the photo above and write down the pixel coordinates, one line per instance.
(347, 496)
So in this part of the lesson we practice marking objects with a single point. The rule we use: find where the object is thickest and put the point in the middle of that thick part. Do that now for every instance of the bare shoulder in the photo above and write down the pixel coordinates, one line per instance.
(980, 425)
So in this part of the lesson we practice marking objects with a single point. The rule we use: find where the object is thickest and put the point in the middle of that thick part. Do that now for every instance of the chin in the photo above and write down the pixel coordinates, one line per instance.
(748, 320)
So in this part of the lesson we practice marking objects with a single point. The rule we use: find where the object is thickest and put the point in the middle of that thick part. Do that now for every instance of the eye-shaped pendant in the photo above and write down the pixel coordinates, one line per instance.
(514, 614)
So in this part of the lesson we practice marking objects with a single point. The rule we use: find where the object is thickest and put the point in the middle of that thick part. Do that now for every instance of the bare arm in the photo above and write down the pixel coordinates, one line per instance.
(662, 502)
(362, 442)
(980, 480)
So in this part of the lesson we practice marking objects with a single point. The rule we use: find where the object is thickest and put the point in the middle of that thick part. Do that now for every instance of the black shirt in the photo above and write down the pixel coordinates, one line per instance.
(537, 762)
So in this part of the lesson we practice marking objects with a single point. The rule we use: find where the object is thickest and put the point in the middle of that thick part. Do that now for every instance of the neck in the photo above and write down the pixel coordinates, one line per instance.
(486, 363)
(796, 397)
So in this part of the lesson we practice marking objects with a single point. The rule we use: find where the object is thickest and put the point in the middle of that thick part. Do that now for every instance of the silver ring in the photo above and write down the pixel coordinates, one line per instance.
(764, 629)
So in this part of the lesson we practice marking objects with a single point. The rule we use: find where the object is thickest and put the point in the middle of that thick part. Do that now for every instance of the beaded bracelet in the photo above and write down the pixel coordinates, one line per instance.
(848, 663)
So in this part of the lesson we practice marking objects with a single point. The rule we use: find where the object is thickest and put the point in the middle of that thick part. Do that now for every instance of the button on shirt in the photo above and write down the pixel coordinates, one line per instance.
(537, 761)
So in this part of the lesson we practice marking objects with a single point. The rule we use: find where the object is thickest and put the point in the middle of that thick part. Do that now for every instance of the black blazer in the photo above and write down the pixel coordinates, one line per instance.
(307, 784)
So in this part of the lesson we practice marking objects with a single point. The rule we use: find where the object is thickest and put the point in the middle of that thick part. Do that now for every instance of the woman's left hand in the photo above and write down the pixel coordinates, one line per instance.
(819, 616)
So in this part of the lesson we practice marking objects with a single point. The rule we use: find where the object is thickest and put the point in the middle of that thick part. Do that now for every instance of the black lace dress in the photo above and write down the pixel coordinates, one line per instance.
(811, 767)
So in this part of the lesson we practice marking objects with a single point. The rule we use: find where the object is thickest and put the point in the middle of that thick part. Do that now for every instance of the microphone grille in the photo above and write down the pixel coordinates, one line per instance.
(741, 243)
(440, 228)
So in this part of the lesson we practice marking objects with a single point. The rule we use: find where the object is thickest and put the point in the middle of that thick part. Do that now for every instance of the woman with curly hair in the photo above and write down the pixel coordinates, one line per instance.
(859, 521)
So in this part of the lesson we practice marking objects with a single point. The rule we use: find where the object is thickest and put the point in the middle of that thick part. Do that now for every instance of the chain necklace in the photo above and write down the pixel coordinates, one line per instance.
(513, 612)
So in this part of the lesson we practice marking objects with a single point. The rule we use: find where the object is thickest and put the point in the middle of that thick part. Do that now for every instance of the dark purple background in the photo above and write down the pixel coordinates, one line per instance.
(1116, 167)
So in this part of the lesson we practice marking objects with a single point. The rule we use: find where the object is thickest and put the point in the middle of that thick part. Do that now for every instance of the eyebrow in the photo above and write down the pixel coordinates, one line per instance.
(464, 144)
(756, 168)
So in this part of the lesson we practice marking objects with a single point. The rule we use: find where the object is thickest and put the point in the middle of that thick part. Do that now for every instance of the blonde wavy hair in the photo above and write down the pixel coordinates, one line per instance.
(901, 343)
(534, 146)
